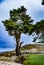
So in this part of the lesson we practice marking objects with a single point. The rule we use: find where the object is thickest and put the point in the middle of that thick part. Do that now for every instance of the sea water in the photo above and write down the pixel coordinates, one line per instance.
(6, 49)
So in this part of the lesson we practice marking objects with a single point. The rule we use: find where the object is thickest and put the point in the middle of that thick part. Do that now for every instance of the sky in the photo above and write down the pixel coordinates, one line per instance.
(34, 9)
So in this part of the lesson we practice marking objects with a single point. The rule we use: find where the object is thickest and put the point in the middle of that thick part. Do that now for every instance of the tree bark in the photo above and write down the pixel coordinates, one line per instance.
(17, 50)
(18, 47)
(17, 44)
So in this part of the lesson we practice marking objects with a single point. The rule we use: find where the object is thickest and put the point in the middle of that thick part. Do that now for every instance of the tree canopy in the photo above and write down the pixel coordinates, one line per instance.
(39, 30)
(19, 21)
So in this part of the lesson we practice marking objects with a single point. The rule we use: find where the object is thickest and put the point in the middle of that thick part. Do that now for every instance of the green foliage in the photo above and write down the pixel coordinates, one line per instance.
(40, 24)
(19, 21)
(34, 60)
(39, 29)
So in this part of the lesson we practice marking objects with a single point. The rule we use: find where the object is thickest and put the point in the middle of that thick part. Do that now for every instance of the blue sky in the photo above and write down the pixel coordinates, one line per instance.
(1, 1)
(34, 9)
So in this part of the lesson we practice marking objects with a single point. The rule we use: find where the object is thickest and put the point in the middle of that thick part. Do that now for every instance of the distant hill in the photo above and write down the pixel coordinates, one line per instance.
(39, 46)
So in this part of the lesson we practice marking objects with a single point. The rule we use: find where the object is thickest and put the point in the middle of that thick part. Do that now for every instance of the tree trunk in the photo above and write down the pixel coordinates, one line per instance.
(20, 46)
(17, 50)
(17, 45)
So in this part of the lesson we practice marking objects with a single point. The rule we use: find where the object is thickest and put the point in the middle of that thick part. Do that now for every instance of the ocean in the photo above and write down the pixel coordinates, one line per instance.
(6, 49)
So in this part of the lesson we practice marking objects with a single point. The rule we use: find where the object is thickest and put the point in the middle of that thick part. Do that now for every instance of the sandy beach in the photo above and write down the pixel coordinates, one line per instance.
(8, 63)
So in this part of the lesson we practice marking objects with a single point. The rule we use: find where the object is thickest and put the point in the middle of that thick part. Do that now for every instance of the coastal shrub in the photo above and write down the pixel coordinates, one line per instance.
(34, 60)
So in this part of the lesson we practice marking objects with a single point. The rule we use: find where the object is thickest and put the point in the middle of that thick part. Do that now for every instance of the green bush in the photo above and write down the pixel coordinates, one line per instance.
(34, 60)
